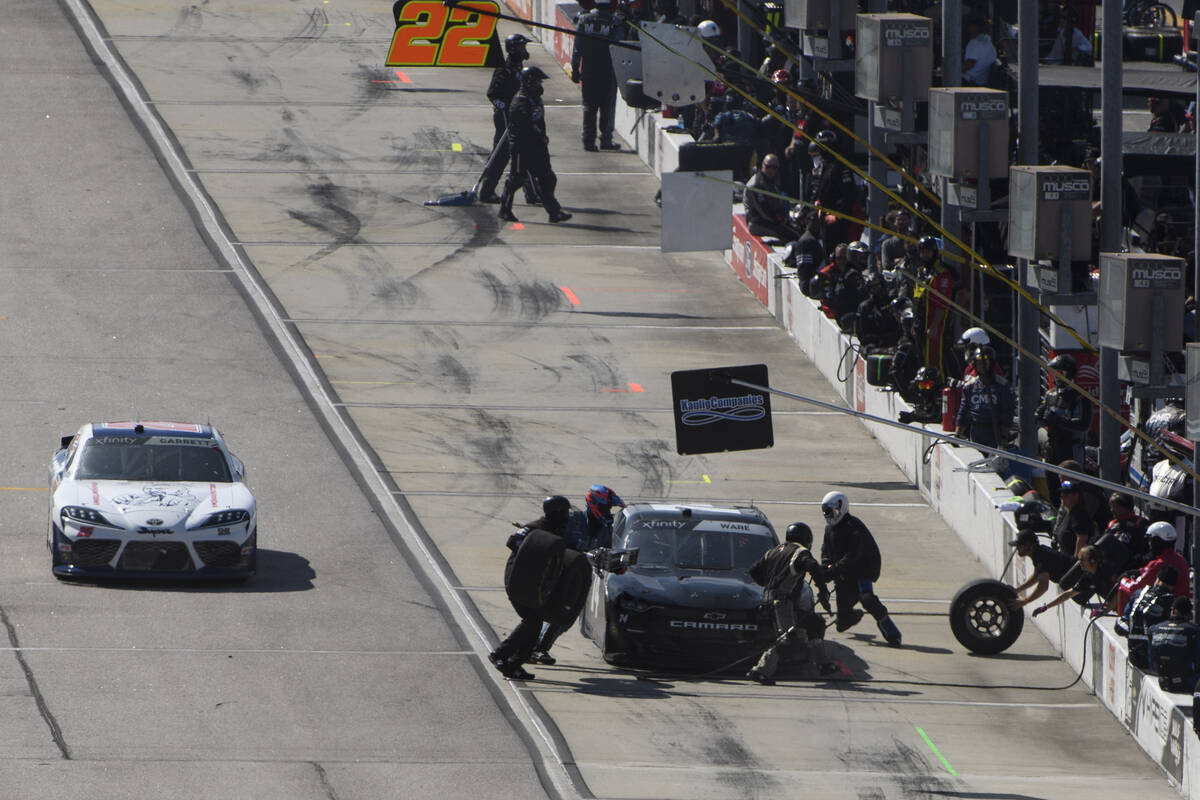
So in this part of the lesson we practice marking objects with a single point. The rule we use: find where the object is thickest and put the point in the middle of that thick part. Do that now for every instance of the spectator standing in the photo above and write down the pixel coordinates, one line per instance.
(979, 55)
(1065, 415)
(985, 412)
(766, 211)
(934, 291)
(1070, 46)
(893, 248)
(1174, 647)
(592, 69)
(833, 184)
(530, 148)
(1165, 116)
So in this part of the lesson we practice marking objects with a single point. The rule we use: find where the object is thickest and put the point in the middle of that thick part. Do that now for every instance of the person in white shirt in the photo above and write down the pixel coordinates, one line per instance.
(979, 55)
(1070, 45)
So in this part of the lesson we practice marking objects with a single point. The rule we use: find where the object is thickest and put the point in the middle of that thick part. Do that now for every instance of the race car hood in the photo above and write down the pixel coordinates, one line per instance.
(158, 505)
(690, 589)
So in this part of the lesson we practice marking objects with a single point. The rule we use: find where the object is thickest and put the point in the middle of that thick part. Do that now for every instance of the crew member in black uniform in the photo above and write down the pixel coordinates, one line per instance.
(782, 571)
(506, 80)
(592, 69)
(1173, 648)
(530, 149)
(850, 556)
(1066, 416)
(517, 648)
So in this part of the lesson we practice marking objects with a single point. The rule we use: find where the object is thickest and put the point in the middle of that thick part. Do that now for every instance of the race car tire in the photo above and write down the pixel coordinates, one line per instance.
(981, 619)
(535, 569)
(571, 591)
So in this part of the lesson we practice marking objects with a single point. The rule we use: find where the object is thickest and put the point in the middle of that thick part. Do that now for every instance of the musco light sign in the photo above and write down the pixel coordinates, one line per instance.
(713, 415)
(1064, 186)
(1155, 275)
(982, 106)
(906, 34)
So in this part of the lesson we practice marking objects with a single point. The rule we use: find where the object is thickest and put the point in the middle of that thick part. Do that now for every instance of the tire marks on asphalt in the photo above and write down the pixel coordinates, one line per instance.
(43, 709)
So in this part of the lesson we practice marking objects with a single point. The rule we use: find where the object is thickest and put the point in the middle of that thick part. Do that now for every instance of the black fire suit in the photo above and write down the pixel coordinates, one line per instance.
(782, 572)
(591, 67)
(506, 81)
(1173, 655)
(850, 555)
(518, 645)
(1066, 415)
(530, 150)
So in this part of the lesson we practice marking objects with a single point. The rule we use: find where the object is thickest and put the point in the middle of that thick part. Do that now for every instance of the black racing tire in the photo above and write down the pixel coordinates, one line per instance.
(571, 592)
(981, 619)
(535, 569)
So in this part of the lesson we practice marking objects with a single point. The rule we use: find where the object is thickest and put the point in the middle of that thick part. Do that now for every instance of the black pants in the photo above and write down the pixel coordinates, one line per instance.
(518, 645)
(851, 592)
(598, 102)
(537, 165)
(494, 169)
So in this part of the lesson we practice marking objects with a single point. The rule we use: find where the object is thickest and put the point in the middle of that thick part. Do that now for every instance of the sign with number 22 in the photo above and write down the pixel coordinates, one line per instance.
(432, 34)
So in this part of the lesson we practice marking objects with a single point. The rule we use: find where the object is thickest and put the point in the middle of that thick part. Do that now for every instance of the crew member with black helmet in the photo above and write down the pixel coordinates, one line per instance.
(985, 413)
(851, 558)
(1066, 416)
(833, 184)
(530, 148)
(517, 647)
(782, 572)
(592, 69)
(506, 81)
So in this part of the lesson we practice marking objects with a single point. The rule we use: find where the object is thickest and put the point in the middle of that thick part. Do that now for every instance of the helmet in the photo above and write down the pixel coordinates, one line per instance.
(975, 336)
(982, 354)
(800, 533)
(531, 76)
(1161, 530)
(555, 508)
(600, 501)
(708, 29)
(826, 137)
(928, 243)
(834, 506)
(928, 378)
(1064, 364)
(781, 76)
(515, 42)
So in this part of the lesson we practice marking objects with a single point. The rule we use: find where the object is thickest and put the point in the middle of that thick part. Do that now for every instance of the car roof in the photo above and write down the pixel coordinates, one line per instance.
(182, 430)
(698, 511)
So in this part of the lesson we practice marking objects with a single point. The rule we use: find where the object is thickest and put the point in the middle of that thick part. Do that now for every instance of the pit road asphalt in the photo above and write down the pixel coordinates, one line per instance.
(402, 381)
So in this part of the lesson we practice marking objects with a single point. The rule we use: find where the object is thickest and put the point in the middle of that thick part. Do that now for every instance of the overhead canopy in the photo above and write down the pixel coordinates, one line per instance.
(1151, 153)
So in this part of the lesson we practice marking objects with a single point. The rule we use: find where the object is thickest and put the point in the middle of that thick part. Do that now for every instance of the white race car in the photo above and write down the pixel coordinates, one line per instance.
(150, 499)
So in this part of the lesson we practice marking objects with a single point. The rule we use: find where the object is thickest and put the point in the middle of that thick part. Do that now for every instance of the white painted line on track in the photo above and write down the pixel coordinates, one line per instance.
(554, 761)
(236, 651)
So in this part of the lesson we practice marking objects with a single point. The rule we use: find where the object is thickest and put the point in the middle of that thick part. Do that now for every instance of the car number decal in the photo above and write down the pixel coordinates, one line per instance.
(430, 34)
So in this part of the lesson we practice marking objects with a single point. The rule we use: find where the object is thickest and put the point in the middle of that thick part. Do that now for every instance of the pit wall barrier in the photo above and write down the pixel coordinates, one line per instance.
(1159, 721)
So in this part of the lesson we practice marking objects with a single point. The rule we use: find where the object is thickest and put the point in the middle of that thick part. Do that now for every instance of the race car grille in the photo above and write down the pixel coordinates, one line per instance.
(222, 553)
(158, 556)
(93, 552)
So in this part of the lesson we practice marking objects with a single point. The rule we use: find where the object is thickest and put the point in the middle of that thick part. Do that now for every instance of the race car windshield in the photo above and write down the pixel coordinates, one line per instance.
(126, 458)
(692, 549)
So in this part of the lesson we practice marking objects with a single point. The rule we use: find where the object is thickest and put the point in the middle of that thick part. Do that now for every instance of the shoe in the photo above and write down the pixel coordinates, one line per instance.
(890, 632)
(507, 216)
(515, 672)
(542, 657)
(759, 677)
(828, 668)
(561, 216)
(496, 659)
(591, 148)
(492, 198)
(849, 621)
(609, 146)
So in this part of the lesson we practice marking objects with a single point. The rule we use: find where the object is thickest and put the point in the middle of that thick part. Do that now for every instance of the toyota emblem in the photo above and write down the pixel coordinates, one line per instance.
(154, 522)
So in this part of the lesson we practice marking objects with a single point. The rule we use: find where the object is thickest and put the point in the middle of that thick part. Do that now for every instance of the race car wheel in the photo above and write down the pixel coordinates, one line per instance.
(571, 591)
(535, 569)
(981, 619)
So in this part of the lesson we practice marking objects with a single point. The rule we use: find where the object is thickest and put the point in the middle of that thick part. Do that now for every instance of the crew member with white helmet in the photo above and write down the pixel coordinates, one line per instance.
(851, 557)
